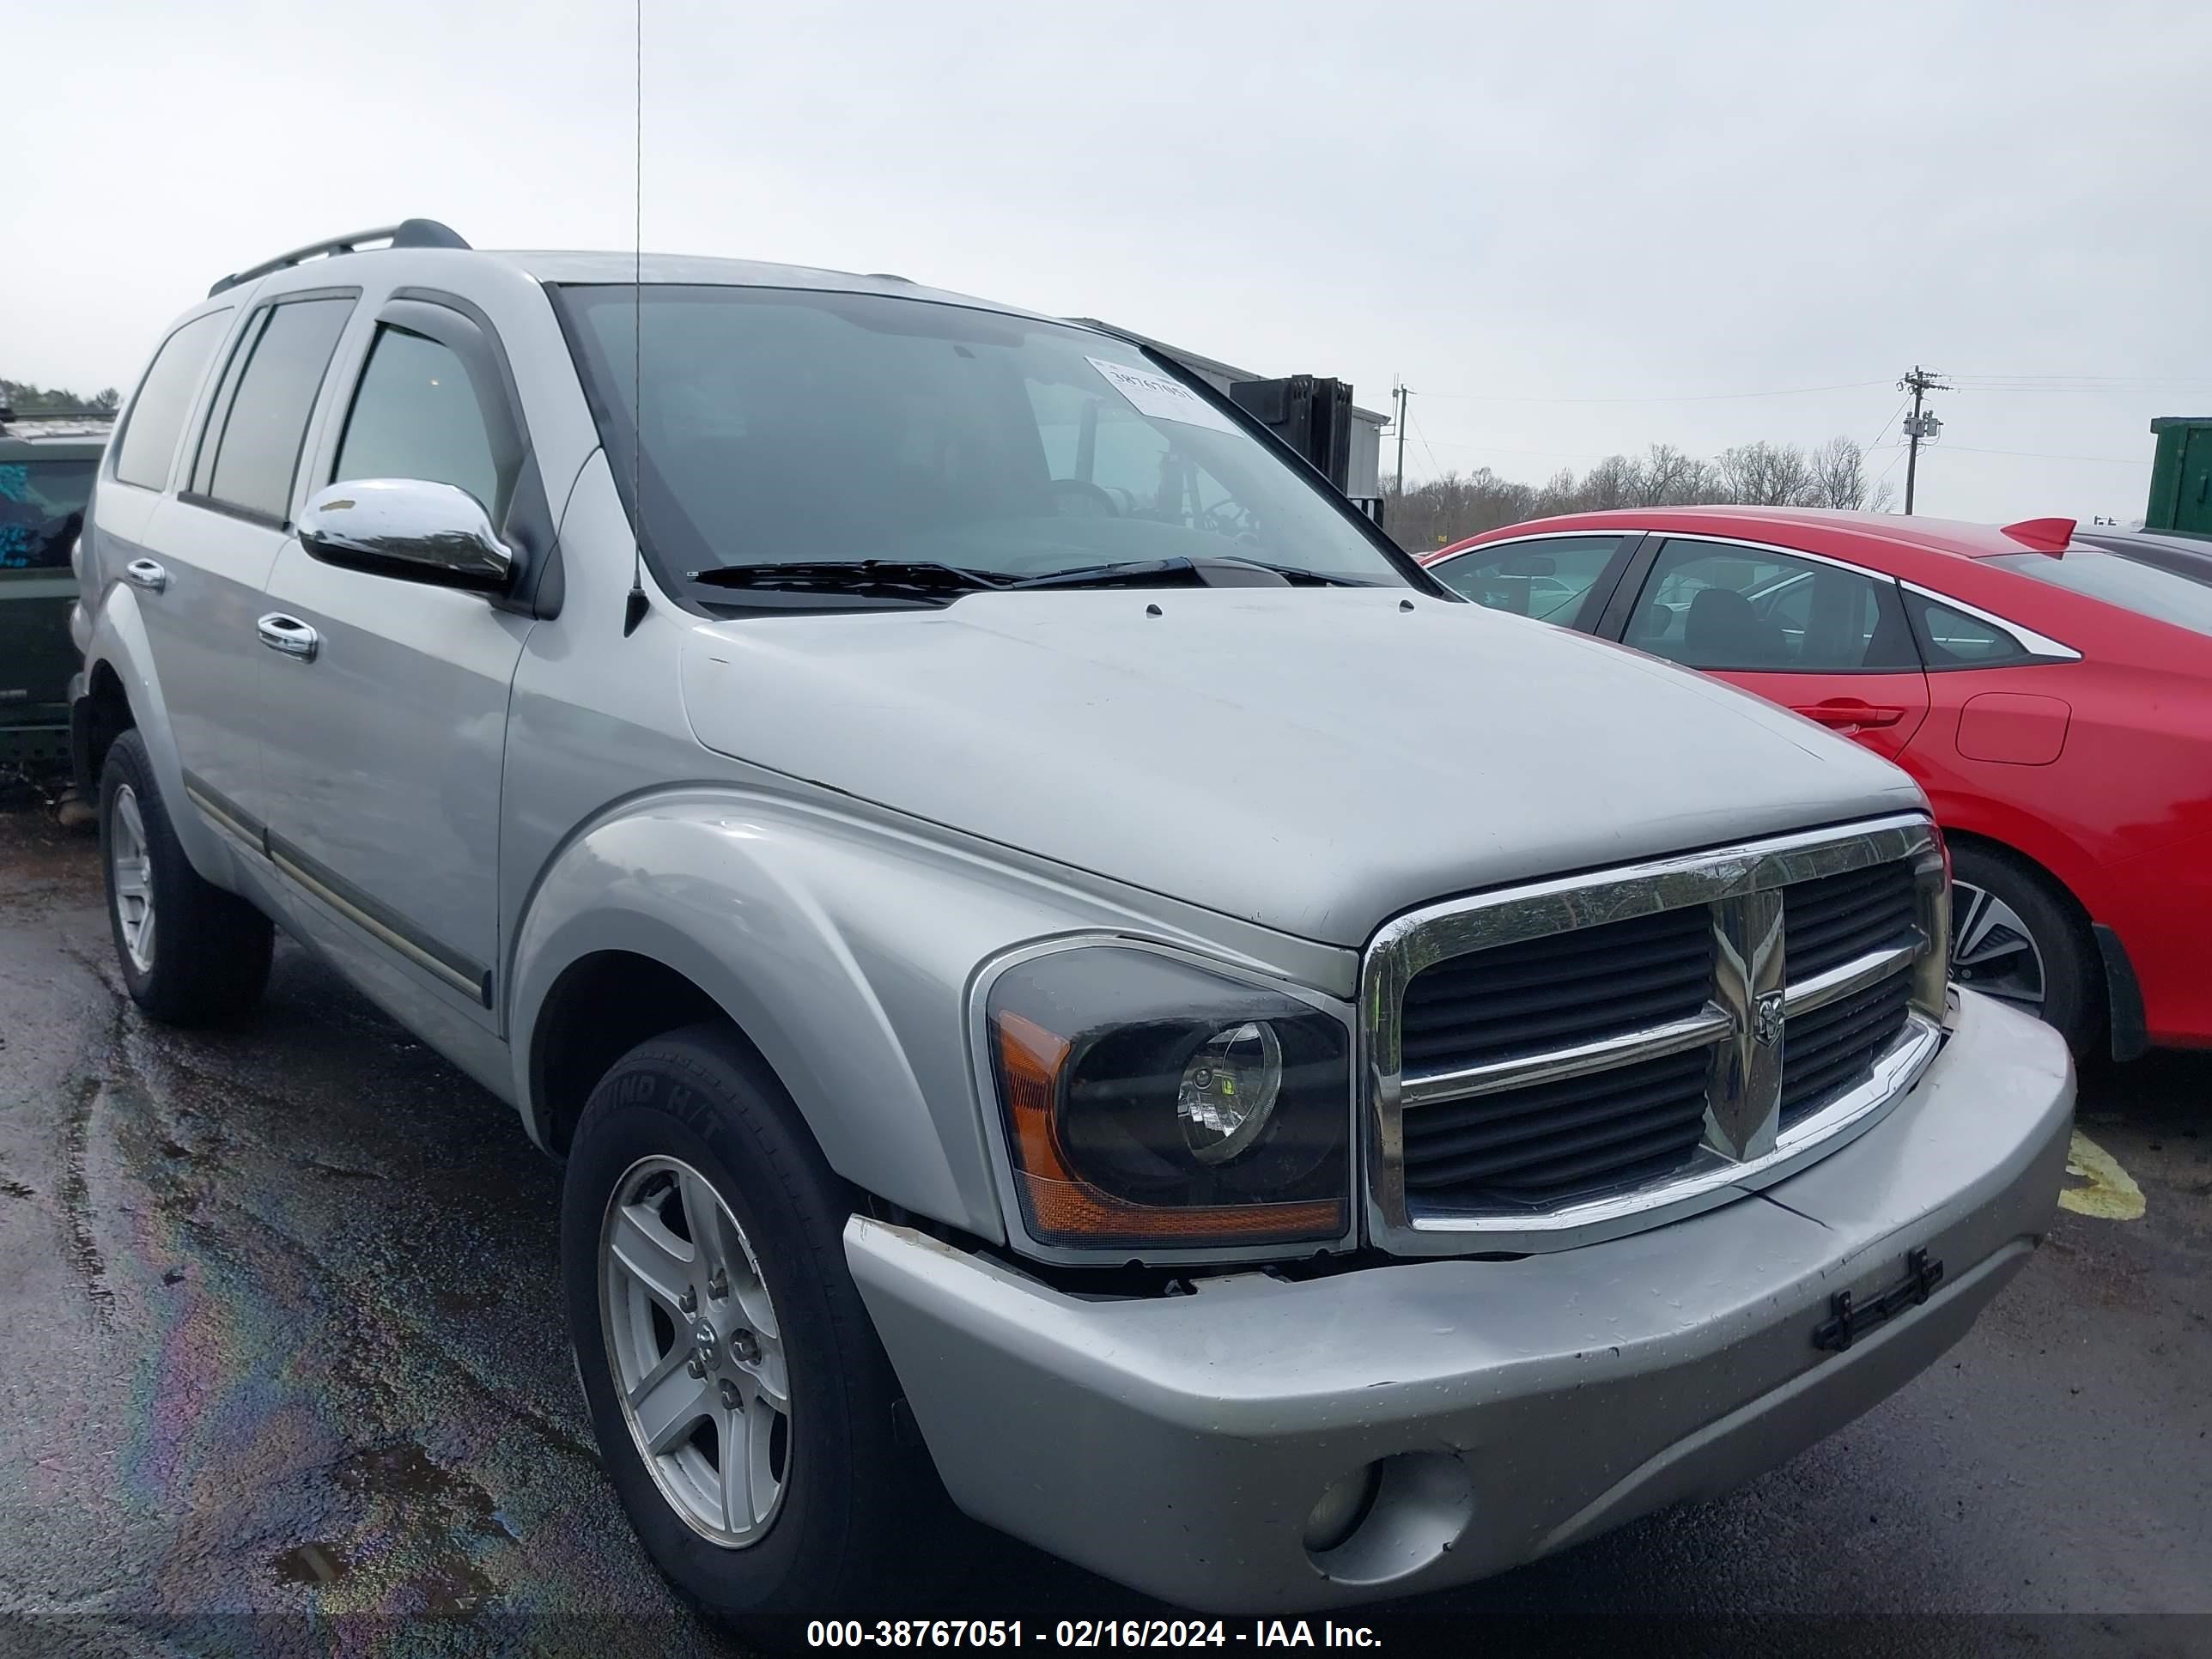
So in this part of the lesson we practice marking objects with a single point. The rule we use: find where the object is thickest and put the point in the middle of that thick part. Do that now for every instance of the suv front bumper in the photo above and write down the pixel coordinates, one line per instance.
(1180, 1444)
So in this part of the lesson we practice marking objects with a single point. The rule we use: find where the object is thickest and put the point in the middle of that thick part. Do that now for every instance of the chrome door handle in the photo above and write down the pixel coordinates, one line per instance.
(289, 635)
(144, 572)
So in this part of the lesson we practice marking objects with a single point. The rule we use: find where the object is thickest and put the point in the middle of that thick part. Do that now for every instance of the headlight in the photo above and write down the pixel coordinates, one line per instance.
(1228, 1090)
(1150, 1103)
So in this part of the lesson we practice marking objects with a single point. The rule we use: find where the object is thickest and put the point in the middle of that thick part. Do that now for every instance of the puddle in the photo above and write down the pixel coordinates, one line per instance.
(419, 1547)
(84, 1250)
(313, 1564)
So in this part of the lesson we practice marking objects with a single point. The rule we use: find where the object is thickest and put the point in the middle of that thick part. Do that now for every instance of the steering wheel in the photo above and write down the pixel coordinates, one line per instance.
(1079, 498)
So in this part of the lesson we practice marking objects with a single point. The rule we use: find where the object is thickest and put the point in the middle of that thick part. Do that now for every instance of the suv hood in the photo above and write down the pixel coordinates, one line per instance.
(1313, 760)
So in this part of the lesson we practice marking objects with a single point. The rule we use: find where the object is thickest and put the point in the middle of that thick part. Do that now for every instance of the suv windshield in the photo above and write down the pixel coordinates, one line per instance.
(41, 509)
(2145, 588)
(791, 428)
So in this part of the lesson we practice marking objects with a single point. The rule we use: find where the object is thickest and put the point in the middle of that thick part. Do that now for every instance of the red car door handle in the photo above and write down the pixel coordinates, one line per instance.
(1847, 712)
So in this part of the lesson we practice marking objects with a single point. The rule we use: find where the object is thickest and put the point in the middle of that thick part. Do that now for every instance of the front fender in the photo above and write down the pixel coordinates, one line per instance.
(118, 641)
(844, 949)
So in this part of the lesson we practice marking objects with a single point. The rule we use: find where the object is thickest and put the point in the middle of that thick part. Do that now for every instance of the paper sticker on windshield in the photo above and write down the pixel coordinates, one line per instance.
(1162, 398)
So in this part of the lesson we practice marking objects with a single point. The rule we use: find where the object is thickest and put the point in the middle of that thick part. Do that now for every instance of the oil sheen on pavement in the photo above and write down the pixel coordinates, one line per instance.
(284, 1371)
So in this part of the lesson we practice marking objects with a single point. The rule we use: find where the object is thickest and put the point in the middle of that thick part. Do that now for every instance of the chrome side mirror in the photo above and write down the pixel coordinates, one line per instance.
(408, 528)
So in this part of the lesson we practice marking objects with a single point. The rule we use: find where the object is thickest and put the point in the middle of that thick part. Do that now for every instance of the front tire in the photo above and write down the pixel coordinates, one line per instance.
(718, 1330)
(2015, 938)
(191, 954)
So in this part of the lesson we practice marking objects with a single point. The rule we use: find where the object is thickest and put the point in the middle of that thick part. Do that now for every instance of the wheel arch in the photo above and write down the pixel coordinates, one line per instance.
(828, 955)
(99, 716)
(603, 1004)
(2116, 1016)
(119, 672)
(2059, 888)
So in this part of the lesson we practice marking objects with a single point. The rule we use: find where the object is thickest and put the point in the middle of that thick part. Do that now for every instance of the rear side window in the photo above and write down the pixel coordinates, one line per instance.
(1713, 604)
(149, 442)
(1547, 579)
(419, 414)
(251, 448)
(41, 510)
(1950, 638)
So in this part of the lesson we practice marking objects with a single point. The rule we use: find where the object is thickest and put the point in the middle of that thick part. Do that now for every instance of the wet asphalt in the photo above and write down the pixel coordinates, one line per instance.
(282, 1370)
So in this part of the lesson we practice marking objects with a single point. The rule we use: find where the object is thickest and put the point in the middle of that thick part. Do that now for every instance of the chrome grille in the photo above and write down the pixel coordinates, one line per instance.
(1534, 995)
(1536, 1146)
(1563, 1061)
(1532, 1145)
(1833, 1049)
(1833, 919)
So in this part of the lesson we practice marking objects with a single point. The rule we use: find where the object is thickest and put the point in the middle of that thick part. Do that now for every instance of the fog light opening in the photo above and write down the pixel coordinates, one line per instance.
(1344, 1504)
(1391, 1519)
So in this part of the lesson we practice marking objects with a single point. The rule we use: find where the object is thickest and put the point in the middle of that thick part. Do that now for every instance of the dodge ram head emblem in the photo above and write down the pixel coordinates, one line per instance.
(1766, 1020)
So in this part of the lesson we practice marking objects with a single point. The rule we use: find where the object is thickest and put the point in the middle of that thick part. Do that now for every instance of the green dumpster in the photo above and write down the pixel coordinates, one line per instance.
(2181, 475)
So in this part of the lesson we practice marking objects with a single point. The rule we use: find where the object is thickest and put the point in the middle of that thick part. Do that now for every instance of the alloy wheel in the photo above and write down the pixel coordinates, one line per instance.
(131, 878)
(696, 1352)
(1991, 949)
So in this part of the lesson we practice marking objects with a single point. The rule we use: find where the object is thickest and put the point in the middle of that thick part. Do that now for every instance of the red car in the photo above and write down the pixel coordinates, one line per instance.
(2054, 699)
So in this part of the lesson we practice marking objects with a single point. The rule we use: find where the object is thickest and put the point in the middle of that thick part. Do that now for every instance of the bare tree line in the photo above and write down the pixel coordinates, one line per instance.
(27, 400)
(1444, 509)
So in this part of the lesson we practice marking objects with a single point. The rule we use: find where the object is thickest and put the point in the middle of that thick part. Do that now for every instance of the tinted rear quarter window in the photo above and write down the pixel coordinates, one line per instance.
(149, 441)
(256, 449)
(1950, 638)
(2145, 589)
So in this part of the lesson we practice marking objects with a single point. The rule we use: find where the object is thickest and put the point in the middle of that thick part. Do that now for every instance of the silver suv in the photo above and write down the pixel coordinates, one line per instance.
(1065, 972)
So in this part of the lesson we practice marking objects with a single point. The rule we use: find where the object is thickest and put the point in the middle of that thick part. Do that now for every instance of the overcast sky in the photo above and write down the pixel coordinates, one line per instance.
(1572, 229)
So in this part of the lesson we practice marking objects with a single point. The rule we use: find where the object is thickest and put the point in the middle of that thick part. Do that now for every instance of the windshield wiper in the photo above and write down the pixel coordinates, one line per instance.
(1210, 573)
(924, 578)
(895, 576)
(1108, 575)
(1298, 577)
(927, 577)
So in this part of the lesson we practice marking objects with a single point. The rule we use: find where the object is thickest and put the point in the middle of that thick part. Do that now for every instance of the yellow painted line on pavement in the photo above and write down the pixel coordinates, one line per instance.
(2112, 1193)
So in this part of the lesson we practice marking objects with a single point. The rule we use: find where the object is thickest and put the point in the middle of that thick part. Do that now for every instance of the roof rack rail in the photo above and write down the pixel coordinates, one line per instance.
(409, 233)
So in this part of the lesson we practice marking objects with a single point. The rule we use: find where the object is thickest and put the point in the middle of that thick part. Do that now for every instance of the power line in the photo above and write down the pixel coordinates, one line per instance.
(1893, 414)
(2075, 383)
(1962, 383)
(1687, 397)
(1500, 449)
(1433, 461)
(2045, 455)
(2115, 389)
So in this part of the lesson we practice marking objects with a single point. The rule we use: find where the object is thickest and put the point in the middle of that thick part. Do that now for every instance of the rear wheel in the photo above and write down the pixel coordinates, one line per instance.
(2013, 936)
(190, 953)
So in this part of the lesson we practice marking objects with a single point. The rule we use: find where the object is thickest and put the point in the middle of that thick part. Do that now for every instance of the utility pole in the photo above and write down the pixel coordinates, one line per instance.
(1919, 429)
(1402, 392)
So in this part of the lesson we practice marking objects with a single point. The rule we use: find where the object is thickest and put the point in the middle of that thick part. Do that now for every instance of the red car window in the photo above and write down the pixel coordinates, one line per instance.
(1717, 605)
(1546, 579)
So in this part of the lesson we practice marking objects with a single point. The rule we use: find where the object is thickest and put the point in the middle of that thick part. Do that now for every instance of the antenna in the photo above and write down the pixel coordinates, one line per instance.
(635, 608)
